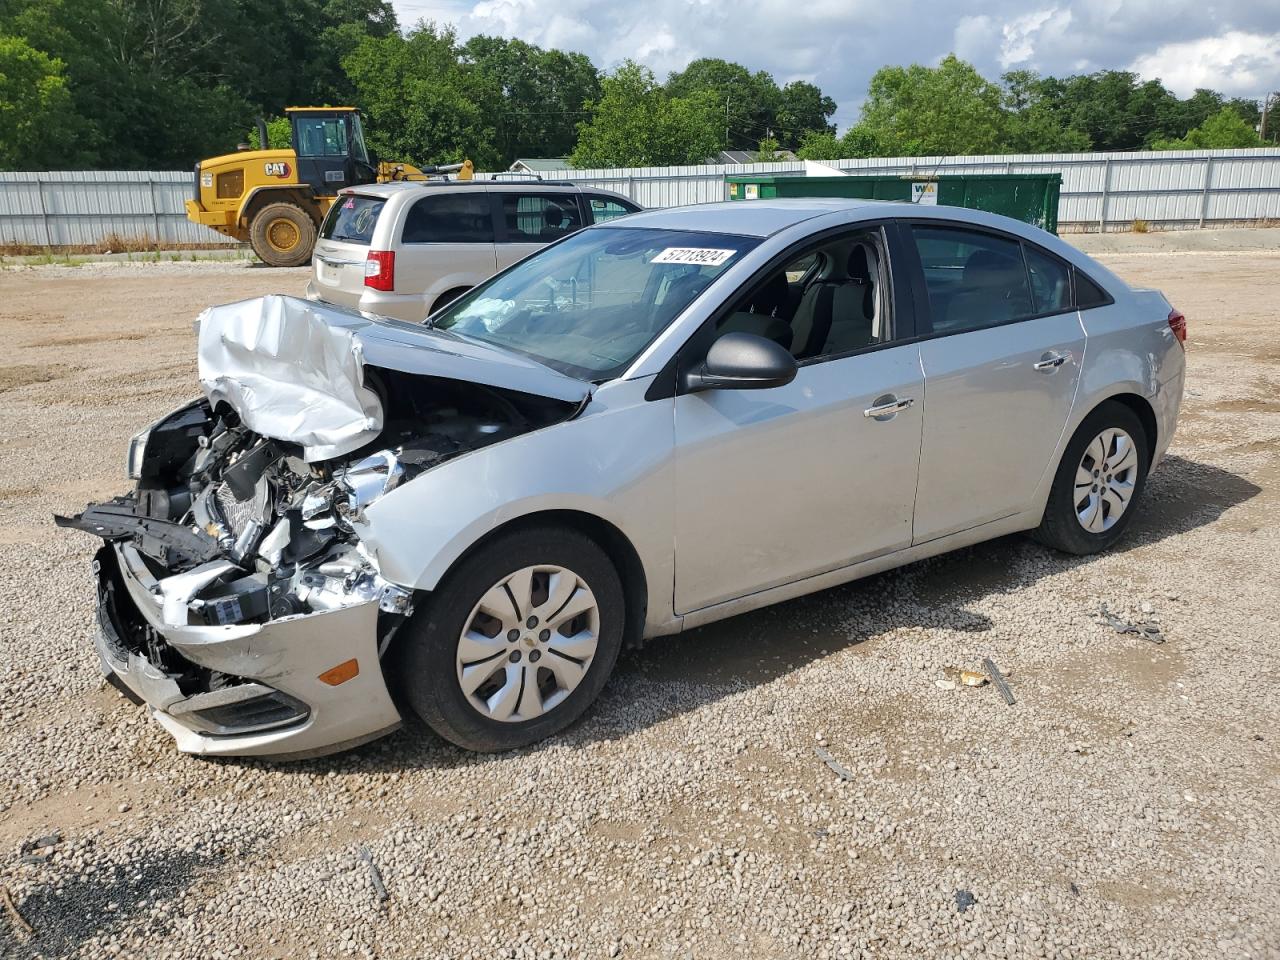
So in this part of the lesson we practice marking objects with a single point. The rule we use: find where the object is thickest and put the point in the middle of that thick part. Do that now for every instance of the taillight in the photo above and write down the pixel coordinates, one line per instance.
(380, 270)
(1178, 324)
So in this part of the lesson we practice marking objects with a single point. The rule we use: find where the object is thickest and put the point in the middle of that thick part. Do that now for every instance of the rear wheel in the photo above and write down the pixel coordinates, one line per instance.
(517, 642)
(283, 235)
(1098, 483)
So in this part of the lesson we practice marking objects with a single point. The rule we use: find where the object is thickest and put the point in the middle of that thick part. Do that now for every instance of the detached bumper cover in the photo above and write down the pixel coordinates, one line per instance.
(270, 701)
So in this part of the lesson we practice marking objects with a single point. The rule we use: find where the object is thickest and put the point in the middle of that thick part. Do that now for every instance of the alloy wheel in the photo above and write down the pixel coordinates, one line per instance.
(1105, 480)
(528, 643)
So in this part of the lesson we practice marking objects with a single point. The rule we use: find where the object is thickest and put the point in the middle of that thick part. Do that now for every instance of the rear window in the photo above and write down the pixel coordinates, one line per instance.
(351, 219)
(540, 217)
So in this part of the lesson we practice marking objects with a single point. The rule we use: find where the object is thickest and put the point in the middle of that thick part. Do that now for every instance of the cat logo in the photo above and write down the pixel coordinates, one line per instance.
(278, 169)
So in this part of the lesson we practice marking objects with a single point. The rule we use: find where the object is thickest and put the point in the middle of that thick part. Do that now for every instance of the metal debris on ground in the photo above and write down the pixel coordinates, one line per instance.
(841, 771)
(19, 921)
(378, 887)
(964, 900)
(998, 678)
(1148, 629)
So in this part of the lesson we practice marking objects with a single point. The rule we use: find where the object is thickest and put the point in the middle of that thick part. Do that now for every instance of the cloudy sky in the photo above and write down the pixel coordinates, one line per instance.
(1229, 45)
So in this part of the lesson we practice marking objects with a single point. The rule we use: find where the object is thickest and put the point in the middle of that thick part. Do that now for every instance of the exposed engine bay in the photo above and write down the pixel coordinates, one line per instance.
(258, 533)
(236, 596)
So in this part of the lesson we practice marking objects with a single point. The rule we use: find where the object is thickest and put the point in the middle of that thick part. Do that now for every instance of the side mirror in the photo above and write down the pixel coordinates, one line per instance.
(742, 361)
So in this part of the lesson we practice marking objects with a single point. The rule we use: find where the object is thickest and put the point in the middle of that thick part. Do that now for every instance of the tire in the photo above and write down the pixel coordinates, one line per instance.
(434, 662)
(1086, 530)
(283, 235)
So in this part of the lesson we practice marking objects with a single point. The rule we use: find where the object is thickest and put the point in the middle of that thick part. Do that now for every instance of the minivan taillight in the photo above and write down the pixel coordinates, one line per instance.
(380, 270)
(1178, 324)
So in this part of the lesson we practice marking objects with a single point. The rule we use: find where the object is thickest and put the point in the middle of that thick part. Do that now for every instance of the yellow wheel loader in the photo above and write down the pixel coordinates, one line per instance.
(275, 199)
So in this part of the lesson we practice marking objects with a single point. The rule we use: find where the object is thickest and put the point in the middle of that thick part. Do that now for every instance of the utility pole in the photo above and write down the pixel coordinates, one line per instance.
(1269, 101)
(726, 121)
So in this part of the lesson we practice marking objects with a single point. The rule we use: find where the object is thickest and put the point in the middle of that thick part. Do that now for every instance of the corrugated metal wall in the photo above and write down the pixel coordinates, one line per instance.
(1169, 190)
(72, 208)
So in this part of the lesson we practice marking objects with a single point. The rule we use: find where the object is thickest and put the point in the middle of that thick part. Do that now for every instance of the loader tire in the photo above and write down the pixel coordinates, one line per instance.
(283, 235)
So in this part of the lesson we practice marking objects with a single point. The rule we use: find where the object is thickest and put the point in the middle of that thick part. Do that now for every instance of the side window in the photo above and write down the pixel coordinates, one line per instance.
(450, 218)
(539, 217)
(974, 280)
(1088, 293)
(325, 137)
(604, 209)
(825, 302)
(1050, 281)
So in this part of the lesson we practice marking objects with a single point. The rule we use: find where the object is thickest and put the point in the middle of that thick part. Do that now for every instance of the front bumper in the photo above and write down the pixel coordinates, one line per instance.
(269, 699)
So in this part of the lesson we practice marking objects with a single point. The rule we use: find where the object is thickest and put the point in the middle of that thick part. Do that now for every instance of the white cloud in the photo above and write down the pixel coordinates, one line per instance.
(1022, 35)
(1235, 63)
(1231, 45)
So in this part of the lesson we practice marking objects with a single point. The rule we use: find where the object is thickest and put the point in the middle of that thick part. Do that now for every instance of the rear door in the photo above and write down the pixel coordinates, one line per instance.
(529, 220)
(1001, 359)
(445, 245)
(343, 247)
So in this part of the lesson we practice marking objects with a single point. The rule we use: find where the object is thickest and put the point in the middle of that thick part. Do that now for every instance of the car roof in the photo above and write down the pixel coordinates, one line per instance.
(754, 218)
(397, 187)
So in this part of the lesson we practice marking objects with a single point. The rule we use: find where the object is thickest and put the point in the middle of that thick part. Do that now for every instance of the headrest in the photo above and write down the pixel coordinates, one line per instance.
(861, 257)
(772, 297)
(553, 215)
(989, 267)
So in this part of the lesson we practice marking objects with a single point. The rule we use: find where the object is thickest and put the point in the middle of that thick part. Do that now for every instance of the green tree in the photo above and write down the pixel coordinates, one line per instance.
(534, 98)
(636, 122)
(768, 150)
(819, 146)
(279, 134)
(1036, 122)
(947, 109)
(1222, 131)
(37, 124)
(803, 109)
(746, 103)
(420, 99)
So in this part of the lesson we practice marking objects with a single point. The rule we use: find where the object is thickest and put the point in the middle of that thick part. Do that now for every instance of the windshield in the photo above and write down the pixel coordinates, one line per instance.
(351, 219)
(589, 305)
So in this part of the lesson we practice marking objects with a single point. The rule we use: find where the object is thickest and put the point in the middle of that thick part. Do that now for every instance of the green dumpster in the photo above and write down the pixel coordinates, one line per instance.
(1031, 198)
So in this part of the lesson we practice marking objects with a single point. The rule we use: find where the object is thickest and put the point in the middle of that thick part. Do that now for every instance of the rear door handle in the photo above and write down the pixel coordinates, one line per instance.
(1051, 361)
(886, 406)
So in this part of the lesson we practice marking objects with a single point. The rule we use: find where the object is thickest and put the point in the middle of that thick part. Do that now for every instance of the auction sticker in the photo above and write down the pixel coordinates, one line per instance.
(698, 256)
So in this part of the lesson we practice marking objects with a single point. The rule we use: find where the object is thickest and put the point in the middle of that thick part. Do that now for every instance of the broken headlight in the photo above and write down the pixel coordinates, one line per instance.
(352, 490)
(137, 453)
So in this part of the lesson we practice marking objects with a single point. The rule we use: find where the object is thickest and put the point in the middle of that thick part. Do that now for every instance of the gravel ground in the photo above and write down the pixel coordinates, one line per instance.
(1126, 806)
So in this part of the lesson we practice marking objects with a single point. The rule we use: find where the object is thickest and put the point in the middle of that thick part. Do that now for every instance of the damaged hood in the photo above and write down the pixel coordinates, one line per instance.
(293, 369)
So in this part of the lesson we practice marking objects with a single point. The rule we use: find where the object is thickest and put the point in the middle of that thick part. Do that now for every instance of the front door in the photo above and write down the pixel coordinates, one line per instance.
(1001, 373)
(776, 485)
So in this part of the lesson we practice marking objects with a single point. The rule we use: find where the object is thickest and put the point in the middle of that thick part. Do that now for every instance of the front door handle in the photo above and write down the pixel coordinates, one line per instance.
(885, 407)
(1051, 361)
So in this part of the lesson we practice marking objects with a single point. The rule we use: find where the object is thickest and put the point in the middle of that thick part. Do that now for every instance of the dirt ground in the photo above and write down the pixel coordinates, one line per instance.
(1128, 805)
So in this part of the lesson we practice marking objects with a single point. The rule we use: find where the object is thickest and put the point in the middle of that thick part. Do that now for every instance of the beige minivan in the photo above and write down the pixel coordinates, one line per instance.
(404, 250)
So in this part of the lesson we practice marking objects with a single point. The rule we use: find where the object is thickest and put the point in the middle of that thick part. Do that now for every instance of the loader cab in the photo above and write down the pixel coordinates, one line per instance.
(330, 147)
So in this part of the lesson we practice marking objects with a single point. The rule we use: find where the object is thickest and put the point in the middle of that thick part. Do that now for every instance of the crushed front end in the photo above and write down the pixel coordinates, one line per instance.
(234, 598)
(235, 595)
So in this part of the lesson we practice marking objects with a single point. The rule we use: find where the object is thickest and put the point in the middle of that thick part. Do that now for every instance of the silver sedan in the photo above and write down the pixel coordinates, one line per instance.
(642, 428)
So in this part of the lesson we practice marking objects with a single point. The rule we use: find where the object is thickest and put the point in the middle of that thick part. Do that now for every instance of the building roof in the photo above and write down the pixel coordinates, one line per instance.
(541, 164)
(748, 156)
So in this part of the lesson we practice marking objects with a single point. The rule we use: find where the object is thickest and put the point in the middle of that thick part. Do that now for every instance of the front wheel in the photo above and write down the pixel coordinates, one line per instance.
(517, 642)
(1098, 483)
(282, 235)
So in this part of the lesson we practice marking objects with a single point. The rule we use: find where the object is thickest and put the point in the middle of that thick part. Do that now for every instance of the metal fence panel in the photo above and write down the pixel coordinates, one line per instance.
(1100, 191)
